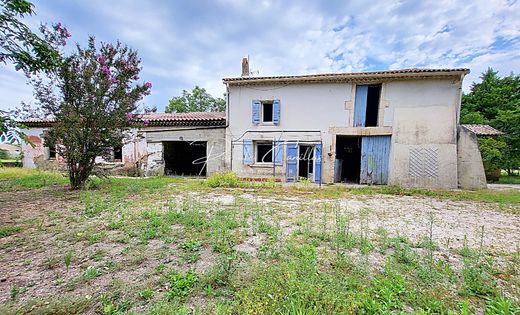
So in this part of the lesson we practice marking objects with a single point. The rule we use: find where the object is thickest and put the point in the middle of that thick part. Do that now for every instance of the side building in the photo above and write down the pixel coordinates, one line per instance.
(189, 144)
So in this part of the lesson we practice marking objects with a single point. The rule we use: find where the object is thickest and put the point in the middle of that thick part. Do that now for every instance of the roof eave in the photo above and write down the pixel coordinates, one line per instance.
(347, 77)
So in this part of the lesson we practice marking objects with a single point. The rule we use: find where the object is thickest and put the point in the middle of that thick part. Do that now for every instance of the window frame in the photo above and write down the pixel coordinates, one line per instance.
(257, 158)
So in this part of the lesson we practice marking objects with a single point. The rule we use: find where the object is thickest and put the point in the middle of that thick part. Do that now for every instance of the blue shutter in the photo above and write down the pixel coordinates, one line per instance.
(247, 150)
(375, 152)
(317, 164)
(360, 106)
(256, 112)
(278, 152)
(276, 112)
(292, 162)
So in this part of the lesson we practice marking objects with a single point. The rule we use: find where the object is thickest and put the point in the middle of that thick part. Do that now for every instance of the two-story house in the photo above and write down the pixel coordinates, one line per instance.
(395, 127)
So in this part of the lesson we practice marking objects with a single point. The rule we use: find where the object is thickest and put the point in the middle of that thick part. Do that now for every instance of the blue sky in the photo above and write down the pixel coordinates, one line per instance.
(188, 43)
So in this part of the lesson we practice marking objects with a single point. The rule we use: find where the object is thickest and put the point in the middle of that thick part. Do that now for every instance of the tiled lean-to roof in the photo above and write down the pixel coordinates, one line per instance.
(403, 74)
(483, 130)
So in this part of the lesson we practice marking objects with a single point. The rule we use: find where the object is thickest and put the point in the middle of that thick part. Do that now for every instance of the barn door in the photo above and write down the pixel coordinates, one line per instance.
(375, 152)
(292, 162)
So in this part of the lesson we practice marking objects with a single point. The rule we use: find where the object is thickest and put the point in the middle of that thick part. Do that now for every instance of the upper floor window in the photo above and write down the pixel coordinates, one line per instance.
(366, 107)
(266, 112)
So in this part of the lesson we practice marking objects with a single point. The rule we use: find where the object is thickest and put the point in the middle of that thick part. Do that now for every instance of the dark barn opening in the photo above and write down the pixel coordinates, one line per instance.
(348, 159)
(306, 162)
(373, 95)
(185, 158)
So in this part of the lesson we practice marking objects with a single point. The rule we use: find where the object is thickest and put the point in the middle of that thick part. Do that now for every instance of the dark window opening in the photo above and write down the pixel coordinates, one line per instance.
(306, 162)
(52, 152)
(267, 112)
(185, 158)
(264, 152)
(118, 153)
(373, 95)
(348, 159)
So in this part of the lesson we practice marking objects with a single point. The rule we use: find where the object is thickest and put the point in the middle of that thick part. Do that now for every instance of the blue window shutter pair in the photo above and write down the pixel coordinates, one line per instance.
(292, 162)
(256, 112)
(276, 112)
(317, 164)
(278, 152)
(247, 152)
(360, 106)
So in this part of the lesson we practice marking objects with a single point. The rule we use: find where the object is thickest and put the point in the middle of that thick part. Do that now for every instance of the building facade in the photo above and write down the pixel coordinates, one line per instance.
(389, 127)
(397, 127)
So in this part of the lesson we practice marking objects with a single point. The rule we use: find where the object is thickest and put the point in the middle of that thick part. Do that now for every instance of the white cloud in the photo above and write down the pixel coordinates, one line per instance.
(184, 44)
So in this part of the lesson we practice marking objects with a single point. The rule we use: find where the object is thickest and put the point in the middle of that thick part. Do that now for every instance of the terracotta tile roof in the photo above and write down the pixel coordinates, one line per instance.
(158, 119)
(186, 119)
(403, 74)
(483, 130)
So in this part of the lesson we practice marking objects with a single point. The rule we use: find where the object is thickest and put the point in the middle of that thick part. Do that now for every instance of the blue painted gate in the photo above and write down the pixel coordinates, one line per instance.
(292, 162)
(375, 153)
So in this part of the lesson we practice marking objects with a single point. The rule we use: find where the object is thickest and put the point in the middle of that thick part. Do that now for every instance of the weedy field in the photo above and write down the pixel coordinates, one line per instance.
(221, 246)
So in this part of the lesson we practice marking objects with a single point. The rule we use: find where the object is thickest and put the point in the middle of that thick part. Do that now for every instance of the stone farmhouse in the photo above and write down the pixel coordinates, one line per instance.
(396, 127)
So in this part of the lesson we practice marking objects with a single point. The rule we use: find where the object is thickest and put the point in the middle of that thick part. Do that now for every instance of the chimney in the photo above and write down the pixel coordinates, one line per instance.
(245, 67)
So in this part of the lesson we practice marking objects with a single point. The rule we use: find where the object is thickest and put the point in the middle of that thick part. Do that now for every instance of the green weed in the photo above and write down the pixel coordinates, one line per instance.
(181, 284)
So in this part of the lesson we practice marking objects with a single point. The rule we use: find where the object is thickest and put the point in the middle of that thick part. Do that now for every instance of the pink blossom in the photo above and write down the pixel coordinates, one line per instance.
(148, 85)
(106, 71)
(101, 59)
(129, 116)
(146, 122)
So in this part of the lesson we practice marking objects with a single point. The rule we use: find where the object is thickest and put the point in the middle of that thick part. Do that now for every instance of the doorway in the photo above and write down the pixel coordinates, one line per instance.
(306, 162)
(185, 158)
(348, 159)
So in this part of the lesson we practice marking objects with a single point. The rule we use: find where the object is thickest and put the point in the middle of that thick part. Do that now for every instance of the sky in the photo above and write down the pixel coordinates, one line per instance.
(187, 43)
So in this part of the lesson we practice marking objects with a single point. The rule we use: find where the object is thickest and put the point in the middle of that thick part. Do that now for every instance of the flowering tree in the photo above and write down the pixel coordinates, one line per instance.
(91, 98)
(28, 51)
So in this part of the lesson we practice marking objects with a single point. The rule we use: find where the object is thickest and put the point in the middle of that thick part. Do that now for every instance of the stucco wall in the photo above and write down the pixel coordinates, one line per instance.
(470, 169)
(420, 115)
(307, 109)
(424, 139)
(32, 154)
(154, 138)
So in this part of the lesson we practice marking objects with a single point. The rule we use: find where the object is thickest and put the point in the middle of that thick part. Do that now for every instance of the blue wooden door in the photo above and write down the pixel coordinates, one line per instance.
(317, 164)
(360, 106)
(375, 153)
(292, 162)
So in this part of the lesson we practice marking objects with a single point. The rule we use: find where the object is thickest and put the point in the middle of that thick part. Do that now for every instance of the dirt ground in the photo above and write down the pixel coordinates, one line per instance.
(51, 225)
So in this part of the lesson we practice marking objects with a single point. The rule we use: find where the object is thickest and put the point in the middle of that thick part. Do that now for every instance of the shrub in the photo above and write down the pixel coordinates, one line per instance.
(223, 179)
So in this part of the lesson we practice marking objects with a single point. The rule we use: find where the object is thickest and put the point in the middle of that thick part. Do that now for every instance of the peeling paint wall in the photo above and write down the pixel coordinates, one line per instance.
(420, 116)
(155, 136)
(470, 169)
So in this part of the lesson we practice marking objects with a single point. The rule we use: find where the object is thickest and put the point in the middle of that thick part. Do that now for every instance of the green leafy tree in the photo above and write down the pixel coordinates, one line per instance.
(28, 51)
(496, 101)
(96, 93)
(198, 100)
